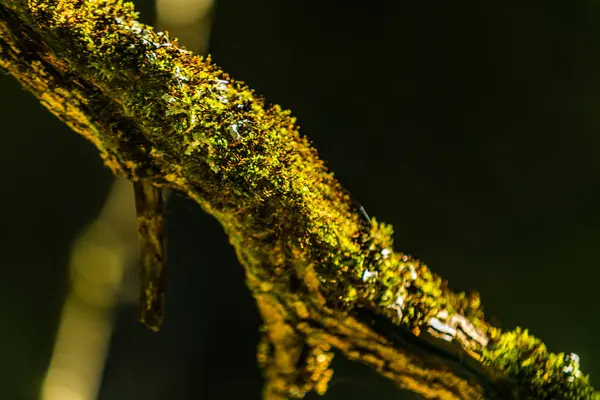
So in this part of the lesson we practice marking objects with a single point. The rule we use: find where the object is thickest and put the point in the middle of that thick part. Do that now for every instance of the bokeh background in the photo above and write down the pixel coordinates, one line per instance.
(472, 127)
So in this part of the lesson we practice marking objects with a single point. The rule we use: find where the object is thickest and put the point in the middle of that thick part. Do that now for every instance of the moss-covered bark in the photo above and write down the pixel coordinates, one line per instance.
(324, 276)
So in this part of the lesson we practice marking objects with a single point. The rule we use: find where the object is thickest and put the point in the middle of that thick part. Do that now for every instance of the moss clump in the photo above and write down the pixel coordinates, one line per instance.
(536, 371)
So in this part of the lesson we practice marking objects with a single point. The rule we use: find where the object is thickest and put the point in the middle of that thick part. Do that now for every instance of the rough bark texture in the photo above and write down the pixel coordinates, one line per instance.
(323, 274)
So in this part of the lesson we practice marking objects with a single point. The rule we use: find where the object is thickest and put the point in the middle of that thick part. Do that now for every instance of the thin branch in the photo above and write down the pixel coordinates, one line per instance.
(149, 205)
(323, 276)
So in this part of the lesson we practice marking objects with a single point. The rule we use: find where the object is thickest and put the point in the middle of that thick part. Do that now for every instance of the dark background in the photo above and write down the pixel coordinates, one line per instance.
(472, 127)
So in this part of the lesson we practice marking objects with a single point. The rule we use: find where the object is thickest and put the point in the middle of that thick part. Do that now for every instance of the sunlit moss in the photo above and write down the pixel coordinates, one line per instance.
(544, 375)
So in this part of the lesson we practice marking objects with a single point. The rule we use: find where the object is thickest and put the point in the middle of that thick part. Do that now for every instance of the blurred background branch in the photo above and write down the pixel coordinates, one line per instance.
(100, 258)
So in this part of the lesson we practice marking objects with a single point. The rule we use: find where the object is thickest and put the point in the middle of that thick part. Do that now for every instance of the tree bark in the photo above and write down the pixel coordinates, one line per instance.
(323, 274)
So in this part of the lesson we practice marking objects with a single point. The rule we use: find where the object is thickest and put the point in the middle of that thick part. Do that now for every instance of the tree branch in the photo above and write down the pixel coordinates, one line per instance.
(324, 276)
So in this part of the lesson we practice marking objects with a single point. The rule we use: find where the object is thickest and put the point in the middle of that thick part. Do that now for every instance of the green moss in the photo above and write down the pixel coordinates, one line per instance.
(544, 375)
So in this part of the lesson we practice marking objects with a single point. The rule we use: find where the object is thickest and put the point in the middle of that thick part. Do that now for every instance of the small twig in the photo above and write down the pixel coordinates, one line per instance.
(149, 206)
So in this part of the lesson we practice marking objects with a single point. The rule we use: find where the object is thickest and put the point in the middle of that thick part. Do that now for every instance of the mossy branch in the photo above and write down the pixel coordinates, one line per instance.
(324, 276)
